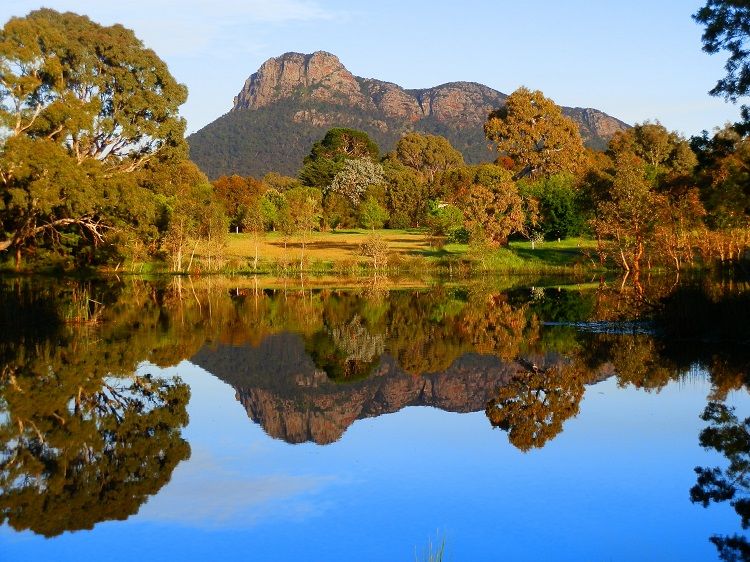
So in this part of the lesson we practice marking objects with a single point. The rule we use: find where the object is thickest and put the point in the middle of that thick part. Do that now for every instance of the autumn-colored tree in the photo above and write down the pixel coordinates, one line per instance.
(532, 131)
(533, 406)
(238, 195)
(274, 180)
(680, 222)
(647, 204)
(489, 198)
(625, 214)
(666, 154)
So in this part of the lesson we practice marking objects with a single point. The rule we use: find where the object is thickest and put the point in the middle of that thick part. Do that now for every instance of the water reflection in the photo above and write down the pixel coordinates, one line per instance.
(729, 436)
(533, 405)
(84, 438)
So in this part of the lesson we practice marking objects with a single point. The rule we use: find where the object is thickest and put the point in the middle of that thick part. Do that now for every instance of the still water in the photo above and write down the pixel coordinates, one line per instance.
(210, 419)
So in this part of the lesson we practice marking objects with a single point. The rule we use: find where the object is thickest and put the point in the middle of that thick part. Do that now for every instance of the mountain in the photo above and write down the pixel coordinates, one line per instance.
(282, 390)
(292, 100)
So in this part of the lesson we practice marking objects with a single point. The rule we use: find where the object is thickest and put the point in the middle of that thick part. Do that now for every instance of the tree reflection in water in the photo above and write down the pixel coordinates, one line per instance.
(729, 436)
(80, 443)
(533, 405)
(83, 439)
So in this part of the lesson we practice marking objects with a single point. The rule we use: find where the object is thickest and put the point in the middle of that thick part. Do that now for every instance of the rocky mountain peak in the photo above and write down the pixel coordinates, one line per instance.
(292, 99)
(319, 75)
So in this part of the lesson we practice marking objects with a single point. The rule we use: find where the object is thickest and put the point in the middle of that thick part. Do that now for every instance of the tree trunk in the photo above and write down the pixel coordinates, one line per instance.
(637, 255)
(625, 265)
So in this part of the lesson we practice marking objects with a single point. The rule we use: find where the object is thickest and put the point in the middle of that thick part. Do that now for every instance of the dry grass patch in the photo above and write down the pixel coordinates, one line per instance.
(339, 246)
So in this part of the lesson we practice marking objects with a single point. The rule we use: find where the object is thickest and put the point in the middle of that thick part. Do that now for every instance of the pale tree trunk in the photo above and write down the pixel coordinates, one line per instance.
(255, 261)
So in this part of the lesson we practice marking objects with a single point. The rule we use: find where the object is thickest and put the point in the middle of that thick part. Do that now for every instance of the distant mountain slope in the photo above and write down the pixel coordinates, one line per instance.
(293, 99)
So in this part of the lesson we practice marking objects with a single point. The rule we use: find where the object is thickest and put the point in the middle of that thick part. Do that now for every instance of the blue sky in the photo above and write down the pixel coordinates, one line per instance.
(636, 60)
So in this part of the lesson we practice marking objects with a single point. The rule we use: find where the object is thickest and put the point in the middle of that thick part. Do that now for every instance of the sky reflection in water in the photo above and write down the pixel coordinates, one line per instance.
(614, 485)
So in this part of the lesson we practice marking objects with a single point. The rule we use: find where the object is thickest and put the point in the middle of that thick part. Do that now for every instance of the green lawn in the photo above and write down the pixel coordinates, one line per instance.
(414, 247)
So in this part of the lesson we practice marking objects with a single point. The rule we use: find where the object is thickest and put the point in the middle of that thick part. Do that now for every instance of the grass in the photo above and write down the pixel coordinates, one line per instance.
(433, 553)
(340, 245)
(332, 252)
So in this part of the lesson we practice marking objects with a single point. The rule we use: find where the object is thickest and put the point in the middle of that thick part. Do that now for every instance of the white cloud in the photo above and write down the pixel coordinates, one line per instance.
(204, 493)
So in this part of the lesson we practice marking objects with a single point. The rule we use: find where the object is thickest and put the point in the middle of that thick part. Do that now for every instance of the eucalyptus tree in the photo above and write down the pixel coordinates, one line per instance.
(82, 106)
(531, 130)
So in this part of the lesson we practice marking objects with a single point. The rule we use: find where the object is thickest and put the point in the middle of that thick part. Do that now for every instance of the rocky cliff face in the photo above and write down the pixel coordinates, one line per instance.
(292, 99)
(321, 77)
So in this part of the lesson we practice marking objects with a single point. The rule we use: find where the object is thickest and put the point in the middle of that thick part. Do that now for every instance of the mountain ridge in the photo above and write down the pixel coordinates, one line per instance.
(299, 96)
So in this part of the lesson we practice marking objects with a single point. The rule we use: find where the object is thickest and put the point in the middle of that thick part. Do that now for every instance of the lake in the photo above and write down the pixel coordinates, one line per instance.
(495, 419)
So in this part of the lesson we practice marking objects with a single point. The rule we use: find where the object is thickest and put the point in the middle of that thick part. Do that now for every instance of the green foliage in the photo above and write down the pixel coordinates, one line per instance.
(727, 25)
(328, 156)
(84, 438)
(87, 111)
(405, 195)
(724, 177)
(428, 155)
(443, 218)
(560, 215)
(371, 214)
(94, 89)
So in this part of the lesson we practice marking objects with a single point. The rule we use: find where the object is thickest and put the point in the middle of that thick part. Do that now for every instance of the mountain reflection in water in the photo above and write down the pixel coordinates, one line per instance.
(83, 439)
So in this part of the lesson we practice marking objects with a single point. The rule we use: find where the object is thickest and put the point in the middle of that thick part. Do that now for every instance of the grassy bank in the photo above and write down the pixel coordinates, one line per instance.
(405, 250)
(408, 253)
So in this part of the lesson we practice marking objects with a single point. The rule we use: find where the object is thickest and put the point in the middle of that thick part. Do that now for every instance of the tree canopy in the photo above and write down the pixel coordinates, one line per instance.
(427, 154)
(727, 28)
(533, 132)
(83, 107)
(327, 156)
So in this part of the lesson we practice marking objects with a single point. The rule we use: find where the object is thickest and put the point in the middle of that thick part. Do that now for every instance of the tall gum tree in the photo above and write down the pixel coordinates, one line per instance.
(81, 104)
(532, 131)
